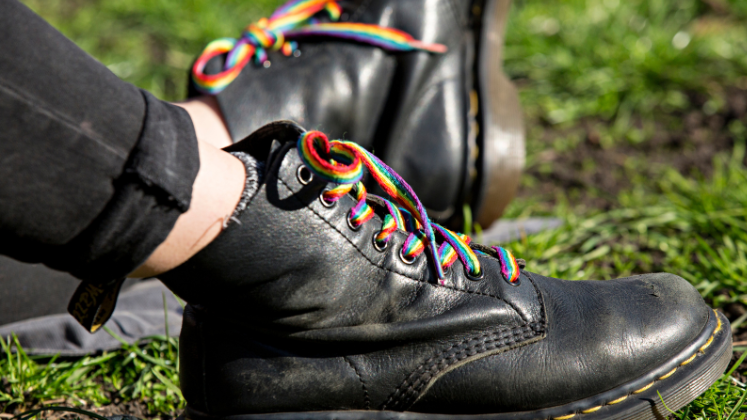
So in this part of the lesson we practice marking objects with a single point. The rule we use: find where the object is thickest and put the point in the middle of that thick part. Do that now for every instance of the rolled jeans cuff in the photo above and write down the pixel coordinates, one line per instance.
(154, 189)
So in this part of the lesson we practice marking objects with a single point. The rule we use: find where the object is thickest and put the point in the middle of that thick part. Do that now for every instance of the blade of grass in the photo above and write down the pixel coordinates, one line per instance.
(735, 366)
(737, 406)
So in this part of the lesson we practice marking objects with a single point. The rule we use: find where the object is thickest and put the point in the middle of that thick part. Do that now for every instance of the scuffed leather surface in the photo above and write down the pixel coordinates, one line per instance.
(300, 308)
(232, 369)
(293, 310)
(409, 108)
(600, 334)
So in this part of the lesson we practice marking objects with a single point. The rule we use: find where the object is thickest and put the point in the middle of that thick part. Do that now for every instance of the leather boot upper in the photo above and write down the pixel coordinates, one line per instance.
(410, 108)
(600, 334)
(294, 309)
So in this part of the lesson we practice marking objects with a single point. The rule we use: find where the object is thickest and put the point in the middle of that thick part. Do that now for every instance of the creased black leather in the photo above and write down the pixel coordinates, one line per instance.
(410, 108)
(601, 334)
(292, 310)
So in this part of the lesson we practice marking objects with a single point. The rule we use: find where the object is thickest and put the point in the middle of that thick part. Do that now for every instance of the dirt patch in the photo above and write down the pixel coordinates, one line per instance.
(593, 175)
(136, 409)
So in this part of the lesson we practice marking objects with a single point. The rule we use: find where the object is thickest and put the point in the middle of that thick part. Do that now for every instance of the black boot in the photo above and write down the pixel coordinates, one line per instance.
(298, 311)
(450, 123)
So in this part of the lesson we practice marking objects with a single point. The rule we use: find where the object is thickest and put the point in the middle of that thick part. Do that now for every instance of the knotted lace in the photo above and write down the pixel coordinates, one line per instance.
(342, 162)
(294, 20)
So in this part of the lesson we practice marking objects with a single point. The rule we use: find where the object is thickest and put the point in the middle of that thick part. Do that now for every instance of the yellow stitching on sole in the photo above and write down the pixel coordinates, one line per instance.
(708, 343)
(689, 360)
(638, 391)
(617, 401)
(623, 398)
(591, 410)
(668, 374)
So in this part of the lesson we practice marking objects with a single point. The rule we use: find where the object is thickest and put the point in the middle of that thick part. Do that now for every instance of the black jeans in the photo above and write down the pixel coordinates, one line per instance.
(93, 171)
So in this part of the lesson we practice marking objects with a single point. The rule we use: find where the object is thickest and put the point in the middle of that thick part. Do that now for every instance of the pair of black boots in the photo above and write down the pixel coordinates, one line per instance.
(326, 302)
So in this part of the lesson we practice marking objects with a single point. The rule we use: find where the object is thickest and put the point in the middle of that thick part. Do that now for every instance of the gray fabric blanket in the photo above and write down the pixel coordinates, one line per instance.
(139, 314)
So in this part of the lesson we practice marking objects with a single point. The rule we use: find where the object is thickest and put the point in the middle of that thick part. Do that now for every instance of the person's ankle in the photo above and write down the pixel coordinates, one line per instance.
(208, 120)
(215, 194)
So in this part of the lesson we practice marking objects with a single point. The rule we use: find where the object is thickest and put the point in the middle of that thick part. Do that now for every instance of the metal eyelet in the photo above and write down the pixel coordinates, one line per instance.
(517, 283)
(447, 271)
(325, 203)
(350, 222)
(404, 259)
(380, 248)
(473, 277)
(304, 175)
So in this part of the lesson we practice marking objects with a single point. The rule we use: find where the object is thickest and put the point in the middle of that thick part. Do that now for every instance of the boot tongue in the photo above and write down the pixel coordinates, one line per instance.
(264, 143)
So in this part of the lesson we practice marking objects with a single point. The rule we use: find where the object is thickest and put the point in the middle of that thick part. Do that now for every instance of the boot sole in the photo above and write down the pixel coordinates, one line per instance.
(679, 381)
(501, 138)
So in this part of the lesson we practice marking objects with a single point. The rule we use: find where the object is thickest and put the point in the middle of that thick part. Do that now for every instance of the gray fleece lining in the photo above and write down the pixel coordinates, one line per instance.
(255, 171)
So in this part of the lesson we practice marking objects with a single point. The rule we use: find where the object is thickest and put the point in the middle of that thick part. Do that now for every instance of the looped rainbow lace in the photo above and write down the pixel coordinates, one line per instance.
(294, 20)
(342, 162)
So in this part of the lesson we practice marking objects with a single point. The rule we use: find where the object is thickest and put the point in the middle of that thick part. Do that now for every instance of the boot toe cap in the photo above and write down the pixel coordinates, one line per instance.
(599, 335)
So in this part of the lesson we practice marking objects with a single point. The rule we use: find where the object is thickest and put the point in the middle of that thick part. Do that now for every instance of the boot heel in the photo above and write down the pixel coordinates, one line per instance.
(501, 132)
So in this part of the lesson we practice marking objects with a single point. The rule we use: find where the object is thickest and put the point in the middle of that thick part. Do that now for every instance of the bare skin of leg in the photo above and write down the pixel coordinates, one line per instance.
(215, 193)
(208, 120)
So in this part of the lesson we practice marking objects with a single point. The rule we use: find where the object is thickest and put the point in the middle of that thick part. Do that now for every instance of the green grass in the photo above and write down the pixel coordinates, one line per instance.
(696, 228)
(626, 70)
(615, 60)
(147, 373)
(150, 43)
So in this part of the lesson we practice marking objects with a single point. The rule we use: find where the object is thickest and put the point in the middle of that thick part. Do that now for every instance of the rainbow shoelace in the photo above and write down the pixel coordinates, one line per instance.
(294, 20)
(341, 162)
